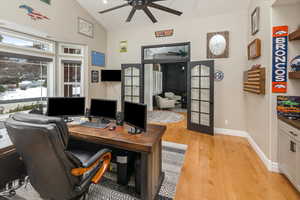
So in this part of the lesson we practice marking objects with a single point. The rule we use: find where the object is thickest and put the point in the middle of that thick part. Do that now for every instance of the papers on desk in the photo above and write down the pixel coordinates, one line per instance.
(4, 139)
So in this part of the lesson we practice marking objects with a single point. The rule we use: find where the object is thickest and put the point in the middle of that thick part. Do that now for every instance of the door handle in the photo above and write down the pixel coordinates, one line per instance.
(294, 134)
(293, 147)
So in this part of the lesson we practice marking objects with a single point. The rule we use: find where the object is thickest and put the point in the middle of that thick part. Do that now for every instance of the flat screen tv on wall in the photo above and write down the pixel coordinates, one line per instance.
(111, 75)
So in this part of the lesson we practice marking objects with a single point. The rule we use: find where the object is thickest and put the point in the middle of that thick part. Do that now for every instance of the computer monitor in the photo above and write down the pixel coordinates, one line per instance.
(103, 108)
(135, 115)
(66, 106)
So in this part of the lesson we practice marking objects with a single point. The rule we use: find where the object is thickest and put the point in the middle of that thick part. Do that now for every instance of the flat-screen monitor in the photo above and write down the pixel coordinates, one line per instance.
(66, 106)
(135, 114)
(111, 75)
(103, 108)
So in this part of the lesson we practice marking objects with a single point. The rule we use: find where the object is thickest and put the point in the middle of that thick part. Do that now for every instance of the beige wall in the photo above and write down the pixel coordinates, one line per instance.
(62, 26)
(257, 106)
(229, 101)
(261, 116)
(285, 15)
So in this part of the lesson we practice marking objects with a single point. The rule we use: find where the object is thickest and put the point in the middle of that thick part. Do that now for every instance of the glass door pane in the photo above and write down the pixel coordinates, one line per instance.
(72, 80)
(132, 76)
(201, 99)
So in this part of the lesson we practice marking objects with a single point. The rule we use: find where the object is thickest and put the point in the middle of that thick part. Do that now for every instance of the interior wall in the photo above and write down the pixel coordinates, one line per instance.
(62, 26)
(257, 107)
(229, 103)
(174, 78)
(285, 15)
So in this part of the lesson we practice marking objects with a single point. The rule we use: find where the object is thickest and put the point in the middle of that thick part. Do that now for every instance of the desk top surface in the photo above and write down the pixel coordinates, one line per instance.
(120, 138)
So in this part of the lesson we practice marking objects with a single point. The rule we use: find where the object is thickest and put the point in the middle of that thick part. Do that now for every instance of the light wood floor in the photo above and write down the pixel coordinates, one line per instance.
(224, 168)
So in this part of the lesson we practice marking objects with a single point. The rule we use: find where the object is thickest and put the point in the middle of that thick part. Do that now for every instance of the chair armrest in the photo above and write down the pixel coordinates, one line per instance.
(100, 156)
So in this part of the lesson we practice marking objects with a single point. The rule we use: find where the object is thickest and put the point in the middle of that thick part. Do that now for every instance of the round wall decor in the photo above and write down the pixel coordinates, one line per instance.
(219, 75)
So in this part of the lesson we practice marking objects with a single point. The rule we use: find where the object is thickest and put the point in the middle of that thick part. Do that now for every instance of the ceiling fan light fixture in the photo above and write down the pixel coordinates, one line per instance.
(105, 1)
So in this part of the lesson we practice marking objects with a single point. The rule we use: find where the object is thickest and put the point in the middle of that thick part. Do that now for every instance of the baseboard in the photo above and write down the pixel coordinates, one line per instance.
(175, 145)
(224, 131)
(271, 166)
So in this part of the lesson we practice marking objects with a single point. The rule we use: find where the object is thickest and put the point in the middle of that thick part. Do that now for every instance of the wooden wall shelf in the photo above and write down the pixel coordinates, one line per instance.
(295, 35)
(294, 75)
(255, 81)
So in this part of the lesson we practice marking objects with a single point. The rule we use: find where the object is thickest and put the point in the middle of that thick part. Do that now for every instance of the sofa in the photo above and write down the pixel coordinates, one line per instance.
(165, 103)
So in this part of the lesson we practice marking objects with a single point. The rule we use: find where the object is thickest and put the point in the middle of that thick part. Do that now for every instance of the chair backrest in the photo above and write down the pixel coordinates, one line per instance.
(169, 95)
(41, 142)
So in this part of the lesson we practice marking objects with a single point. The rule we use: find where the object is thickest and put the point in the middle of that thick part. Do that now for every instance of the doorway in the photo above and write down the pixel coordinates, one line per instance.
(196, 93)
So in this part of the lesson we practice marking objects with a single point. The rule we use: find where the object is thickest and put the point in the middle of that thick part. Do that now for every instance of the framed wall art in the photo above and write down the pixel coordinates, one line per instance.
(95, 76)
(85, 28)
(254, 49)
(218, 45)
(123, 46)
(255, 20)
(98, 59)
(164, 33)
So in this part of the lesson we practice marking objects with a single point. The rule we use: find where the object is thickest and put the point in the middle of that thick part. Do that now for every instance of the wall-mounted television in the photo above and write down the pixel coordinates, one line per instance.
(111, 75)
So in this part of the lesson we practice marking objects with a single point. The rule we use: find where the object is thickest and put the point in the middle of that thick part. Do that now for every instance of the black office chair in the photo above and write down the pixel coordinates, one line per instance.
(56, 172)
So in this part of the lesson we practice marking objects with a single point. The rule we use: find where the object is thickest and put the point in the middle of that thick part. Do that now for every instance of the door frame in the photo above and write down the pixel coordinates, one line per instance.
(198, 127)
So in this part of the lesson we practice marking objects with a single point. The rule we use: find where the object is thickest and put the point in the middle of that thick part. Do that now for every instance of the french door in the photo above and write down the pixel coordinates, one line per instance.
(132, 83)
(201, 96)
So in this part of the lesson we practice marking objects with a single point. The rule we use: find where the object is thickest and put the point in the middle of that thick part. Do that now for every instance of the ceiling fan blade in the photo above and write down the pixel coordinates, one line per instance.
(157, 0)
(114, 8)
(149, 14)
(166, 9)
(131, 14)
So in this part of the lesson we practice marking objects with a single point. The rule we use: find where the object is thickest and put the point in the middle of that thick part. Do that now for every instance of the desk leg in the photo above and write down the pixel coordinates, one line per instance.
(145, 177)
(151, 173)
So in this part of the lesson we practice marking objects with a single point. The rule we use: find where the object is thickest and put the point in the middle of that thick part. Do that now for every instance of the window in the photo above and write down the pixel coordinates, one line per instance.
(166, 53)
(72, 79)
(23, 42)
(23, 83)
(71, 49)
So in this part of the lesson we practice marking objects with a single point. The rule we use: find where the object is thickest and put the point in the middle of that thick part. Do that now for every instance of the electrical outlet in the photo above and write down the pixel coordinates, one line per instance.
(226, 122)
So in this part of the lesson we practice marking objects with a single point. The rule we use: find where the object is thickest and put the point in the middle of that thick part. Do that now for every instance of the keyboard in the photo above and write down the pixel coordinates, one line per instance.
(94, 125)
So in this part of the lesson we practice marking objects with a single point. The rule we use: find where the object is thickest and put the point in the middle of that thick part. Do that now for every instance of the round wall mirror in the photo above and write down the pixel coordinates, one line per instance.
(217, 44)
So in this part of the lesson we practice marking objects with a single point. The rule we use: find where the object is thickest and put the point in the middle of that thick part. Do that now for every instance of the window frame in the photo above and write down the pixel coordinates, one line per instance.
(30, 38)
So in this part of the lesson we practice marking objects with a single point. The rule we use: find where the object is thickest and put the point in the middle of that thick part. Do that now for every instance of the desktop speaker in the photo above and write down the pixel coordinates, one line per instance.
(119, 119)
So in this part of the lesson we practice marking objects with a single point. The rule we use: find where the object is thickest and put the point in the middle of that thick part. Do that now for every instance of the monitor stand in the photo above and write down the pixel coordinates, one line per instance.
(134, 131)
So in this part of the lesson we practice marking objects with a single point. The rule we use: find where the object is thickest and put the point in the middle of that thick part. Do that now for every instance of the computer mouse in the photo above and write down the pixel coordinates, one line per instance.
(112, 128)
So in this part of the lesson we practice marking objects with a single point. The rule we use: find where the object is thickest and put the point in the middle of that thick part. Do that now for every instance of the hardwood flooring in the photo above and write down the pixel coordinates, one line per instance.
(224, 168)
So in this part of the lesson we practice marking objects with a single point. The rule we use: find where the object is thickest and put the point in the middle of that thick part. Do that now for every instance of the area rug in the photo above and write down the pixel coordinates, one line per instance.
(161, 116)
(172, 161)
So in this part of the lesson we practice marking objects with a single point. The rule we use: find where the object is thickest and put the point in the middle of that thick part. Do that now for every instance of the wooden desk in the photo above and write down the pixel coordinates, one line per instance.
(148, 144)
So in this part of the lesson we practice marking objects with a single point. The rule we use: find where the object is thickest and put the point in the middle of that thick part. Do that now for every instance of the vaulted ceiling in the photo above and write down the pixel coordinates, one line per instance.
(190, 8)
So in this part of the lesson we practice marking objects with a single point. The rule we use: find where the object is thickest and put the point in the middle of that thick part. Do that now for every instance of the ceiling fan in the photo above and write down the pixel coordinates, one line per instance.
(143, 5)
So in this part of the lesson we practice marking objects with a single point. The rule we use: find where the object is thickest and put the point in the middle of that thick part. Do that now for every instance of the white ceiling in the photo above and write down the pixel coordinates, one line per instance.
(285, 2)
(190, 8)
